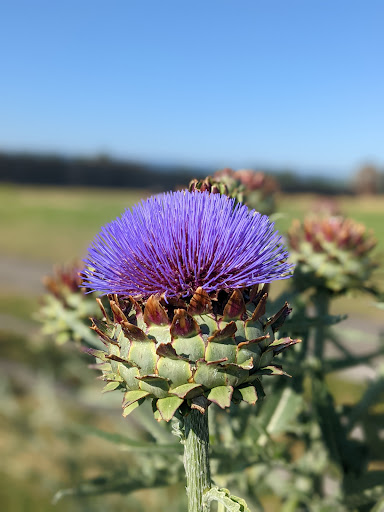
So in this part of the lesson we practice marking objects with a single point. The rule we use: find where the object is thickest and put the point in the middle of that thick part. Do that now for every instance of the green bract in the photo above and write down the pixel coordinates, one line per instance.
(188, 354)
(66, 308)
(255, 189)
(331, 253)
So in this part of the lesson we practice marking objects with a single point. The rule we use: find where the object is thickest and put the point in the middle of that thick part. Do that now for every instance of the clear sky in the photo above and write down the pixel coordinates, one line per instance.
(293, 83)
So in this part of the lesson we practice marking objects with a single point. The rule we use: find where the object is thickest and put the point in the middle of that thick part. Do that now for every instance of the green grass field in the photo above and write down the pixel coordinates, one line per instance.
(56, 224)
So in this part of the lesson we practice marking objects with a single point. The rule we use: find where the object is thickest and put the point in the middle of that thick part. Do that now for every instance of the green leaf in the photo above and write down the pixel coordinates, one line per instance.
(111, 386)
(371, 395)
(333, 432)
(133, 396)
(191, 348)
(130, 408)
(128, 444)
(209, 375)
(249, 394)
(221, 395)
(168, 406)
(279, 409)
(177, 370)
(124, 484)
(272, 369)
(157, 386)
(224, 497)
(220, 347)
(379, 507)
(259, 389)
(143, 355)
(247, 364)
(298, 323)
(365, 497)
(157, 415)
(186, 390)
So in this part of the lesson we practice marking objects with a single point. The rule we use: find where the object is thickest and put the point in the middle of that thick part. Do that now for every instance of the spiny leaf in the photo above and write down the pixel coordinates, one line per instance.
(249, 394)
(130, 444)
(183, 325)
(111, 386)
(223, 496)
(123, 484)
(187, 390)
(221, 395)
(260, 308)
(99, 354)
(299, 323)
(168, 406)
(235, 307)
(279, 410)
(281, 344)
(131, 407)
(278, 319)
(200, 303)
(133, 396)
(371, 395)
(154, 313)
(272, 369)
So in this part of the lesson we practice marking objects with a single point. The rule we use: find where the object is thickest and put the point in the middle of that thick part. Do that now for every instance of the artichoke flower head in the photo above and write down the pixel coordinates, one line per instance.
(253, 188)
(331, 252)
(186, 276)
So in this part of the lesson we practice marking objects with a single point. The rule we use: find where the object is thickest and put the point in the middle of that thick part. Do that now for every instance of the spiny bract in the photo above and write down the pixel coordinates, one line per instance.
(66, 308)
(331, 252)
(255, 189)
(188, 356)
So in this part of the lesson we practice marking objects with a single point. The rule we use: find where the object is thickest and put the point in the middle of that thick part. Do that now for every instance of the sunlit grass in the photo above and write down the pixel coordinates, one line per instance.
(57, 224)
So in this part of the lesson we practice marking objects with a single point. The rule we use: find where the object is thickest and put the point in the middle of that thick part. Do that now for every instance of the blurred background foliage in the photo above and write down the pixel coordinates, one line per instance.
(53, 415)
(99, 104)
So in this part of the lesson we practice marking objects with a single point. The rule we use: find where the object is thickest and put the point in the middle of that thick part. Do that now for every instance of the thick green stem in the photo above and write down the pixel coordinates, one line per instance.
(196, 458)
(322, 309)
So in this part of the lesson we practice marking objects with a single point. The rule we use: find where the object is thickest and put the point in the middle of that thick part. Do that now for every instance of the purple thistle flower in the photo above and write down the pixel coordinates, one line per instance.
(175, 242)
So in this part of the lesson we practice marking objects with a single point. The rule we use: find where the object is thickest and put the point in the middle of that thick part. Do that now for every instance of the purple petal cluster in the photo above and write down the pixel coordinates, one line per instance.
(175, 242)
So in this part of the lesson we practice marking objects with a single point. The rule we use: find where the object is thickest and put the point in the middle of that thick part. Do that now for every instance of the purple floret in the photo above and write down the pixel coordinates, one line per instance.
(175, 242)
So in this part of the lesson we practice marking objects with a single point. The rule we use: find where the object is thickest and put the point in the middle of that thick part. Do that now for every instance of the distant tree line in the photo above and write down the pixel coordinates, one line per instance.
(103, 171)
(100, 171)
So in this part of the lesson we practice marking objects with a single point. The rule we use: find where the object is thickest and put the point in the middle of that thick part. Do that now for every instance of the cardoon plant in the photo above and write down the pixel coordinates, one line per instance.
(333, 256)
(332, 253)
(255, 189)
(66, 309)
(185, 273)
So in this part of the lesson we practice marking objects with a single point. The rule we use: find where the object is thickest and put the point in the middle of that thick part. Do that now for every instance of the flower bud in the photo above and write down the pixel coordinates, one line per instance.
(331, 252)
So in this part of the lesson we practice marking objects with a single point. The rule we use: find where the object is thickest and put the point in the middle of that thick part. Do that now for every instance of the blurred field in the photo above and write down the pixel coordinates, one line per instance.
(56, 224)
(41, 454)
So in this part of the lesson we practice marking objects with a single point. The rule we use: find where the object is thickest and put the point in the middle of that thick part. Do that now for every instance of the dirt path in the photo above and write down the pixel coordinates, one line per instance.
(19, 276)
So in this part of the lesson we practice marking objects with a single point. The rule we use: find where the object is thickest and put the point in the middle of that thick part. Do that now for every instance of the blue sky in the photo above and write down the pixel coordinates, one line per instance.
(292, 83)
